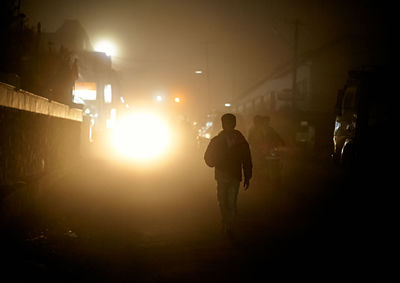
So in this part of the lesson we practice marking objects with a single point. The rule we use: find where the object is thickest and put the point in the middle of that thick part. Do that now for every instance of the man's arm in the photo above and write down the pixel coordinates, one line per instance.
(211, 154)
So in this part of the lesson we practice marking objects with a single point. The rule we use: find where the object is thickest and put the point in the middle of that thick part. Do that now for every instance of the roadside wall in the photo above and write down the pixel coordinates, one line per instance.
(37, 136)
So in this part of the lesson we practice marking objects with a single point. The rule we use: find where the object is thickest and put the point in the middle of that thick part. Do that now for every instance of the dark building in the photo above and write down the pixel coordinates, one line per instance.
(95, 84)
(320, 74)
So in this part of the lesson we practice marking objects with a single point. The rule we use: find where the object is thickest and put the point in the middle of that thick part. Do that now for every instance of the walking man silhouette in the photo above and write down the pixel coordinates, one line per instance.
(229, 153)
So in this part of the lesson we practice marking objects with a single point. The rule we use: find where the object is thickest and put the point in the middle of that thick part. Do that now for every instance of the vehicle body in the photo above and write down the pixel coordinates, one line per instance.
(362, 116)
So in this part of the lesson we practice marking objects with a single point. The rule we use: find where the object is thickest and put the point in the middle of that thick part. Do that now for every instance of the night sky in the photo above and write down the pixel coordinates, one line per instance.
(161, 43)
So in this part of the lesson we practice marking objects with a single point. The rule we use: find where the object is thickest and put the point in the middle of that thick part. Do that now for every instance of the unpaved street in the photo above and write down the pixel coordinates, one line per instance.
(106, 221)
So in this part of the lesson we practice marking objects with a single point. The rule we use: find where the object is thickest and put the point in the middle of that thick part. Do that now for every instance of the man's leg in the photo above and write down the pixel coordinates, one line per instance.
(227, 198)
(222, 196)
(232, 193)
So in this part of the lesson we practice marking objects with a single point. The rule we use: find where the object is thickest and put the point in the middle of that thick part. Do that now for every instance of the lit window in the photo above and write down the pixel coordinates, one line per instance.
(107, 93)
(84, 91)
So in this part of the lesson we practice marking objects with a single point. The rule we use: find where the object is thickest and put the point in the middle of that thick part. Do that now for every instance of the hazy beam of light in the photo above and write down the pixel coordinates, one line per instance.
(141, 136)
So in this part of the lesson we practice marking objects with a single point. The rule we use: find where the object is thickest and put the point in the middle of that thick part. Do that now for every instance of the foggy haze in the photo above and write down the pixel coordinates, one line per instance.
(161, 43)
(97, 187)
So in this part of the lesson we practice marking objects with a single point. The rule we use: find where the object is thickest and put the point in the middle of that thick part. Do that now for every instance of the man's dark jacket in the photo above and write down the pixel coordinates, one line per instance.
(229, 153)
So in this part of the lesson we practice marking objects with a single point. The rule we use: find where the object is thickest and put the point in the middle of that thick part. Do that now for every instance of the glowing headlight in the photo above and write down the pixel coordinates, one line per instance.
(141, 136)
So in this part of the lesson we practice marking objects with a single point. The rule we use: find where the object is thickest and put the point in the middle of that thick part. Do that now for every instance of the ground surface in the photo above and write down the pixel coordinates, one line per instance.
(106, 221)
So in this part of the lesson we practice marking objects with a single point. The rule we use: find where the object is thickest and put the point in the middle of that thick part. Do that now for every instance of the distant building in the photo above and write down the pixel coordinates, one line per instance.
(95, 84)
(320, 74)
(73, 36)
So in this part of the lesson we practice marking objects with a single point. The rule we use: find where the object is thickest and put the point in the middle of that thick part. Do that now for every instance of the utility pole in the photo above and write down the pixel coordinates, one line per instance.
(295, 62)
(208, 77)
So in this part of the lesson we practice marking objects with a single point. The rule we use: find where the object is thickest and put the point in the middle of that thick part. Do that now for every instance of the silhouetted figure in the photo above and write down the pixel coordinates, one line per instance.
(229, 153)
(273, 139)
(264, 141)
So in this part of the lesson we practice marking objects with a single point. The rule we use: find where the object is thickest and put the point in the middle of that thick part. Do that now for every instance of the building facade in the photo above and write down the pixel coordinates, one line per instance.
(321, 73)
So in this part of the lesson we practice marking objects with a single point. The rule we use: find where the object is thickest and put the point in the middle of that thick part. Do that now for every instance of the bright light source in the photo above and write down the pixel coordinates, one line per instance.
(177, 99)
(92, 122)
(159, 96)
(227, 105)
(198, 72)
(141, 136)
(107, 93)
(122, 99)
(106, 47)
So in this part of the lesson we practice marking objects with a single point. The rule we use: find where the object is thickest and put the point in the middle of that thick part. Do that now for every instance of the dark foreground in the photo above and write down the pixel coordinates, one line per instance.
(103, 221)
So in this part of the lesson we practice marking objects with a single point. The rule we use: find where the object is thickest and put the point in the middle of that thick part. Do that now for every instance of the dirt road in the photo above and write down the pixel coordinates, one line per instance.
(104, 221)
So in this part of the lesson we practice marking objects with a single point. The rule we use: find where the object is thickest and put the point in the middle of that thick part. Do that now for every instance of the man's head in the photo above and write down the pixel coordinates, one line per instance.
(228, 121)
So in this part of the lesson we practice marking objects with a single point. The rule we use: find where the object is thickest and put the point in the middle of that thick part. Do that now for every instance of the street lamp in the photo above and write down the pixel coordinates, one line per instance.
(159, 96)
(107, 47)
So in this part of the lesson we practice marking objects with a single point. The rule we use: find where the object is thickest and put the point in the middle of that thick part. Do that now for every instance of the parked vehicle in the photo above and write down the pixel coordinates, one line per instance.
(363, 117)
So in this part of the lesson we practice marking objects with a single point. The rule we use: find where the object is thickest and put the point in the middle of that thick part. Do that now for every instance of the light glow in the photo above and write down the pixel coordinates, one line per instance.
(110, 123)
(107, 93)
(107, 47)
(84, 91)
(141, 136)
